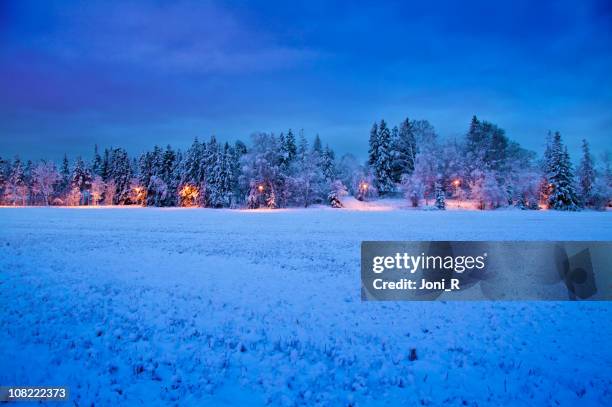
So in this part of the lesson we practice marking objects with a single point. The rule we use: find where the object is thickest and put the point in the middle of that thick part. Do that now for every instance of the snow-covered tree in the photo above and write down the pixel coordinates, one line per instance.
(413, 188)
(486, 148)
(562, 195)
(351, 173)
(373, 145)
(96, 164)
(327, 164)
(44, 177)
(150, 164)
(440, 197)
(157, 190)
(601, 194)
(404, 150)
(191, 172)
(486, 190)
(105, 167)
(426, 173)
(120, 176)
(98, 188)
(308, 183)
(382, 166)
(16, 192)
(109, 192)
(170, 175)
(81, 180)
(261, 174)
(290, 148)
(338, 190)
(5, 173)
(64, 184)
(239, 190)
(221, 182)
(317, 146)
(74, 197)
(526, 186)
(586, 175)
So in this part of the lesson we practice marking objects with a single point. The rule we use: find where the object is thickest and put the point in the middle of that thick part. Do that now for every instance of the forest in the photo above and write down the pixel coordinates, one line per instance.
(484, 167)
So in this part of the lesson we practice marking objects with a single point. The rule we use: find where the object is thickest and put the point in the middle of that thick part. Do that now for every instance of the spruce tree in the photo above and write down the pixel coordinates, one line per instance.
(302, 148)
(586, 175)
(120, 175)
(404, 150)
(440, 198)
(373, 143)
(382, 166)
(290, 146)
(105, 167)
(561, 178)
(284, 154)
(221, 190)
(96, 165)
(65, 176)
(317, 146)
(169, 174)
(327, 164)
(190, 173)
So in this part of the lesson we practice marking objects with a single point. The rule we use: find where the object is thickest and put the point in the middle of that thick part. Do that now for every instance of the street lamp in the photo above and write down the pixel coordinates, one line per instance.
(456, 183)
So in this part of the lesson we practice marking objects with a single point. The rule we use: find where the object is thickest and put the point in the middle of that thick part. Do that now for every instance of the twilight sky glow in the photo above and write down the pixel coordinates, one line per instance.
(128, 74)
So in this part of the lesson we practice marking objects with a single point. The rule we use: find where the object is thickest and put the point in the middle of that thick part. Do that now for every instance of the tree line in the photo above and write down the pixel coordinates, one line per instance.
(484, 167)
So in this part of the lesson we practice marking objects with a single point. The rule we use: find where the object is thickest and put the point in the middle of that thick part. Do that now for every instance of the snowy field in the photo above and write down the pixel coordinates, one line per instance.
(208, 307)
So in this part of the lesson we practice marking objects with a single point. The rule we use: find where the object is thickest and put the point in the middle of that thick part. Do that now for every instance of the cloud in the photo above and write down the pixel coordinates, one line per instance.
(184, 37)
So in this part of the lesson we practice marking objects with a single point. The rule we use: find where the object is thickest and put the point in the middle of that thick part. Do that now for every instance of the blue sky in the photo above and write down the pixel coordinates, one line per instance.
(136, 74)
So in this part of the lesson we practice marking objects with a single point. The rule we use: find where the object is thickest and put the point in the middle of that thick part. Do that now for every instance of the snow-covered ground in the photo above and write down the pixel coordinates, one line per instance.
(208, 307)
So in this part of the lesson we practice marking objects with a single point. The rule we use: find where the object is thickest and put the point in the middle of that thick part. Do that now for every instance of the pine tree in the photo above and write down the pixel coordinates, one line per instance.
(221, 194)
(239, 190)
(191, 164)
(65, 174)
(120, 177)
(586, 175)
(560, 177)
(105, 167)
(404, 150)
(373, 143)
(284, 156)
(440, 198)
(382, 166)
(475, 139)
(302, 149)
(290, 146)
(317, 146)
(169, 174)
(327, 164)
(209, 170)
(96, 165)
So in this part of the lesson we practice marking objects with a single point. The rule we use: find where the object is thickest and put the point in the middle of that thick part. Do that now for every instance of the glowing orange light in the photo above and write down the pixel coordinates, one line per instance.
(456, 183)
(364, 186)
(189, 191)
(260, 188)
